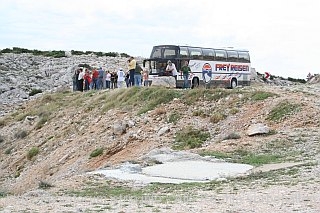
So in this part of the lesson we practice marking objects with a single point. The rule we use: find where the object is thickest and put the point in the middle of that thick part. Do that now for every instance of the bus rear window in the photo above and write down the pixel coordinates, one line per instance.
(156, 53)
(169, 53)
(184, 52)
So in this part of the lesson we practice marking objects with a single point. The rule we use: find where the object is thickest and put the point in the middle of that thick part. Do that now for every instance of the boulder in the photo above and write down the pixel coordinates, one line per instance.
(164, 81)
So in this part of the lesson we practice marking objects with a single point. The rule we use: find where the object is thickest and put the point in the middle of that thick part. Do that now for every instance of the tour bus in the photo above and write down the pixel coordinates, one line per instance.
(223, 67)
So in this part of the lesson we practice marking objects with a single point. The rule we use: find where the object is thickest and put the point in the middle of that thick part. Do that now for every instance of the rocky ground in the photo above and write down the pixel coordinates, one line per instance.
(57, 179)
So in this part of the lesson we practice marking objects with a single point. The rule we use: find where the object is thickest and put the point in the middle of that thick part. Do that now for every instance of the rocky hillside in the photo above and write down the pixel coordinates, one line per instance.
(22, 73)
(63, 129)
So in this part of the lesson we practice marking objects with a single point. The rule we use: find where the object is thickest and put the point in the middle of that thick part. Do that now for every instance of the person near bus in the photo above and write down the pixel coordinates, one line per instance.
(171, 68)
(185, 70)
(145, 78)
(131, 67)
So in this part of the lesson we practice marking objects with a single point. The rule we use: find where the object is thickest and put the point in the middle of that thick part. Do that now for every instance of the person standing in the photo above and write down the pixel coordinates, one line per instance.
(131, 67)
(80, 79)
(185, 70)
(108, 79)
(137, 75)
(100, 78)
(171, 68)
(145, 78)
(121, 78)
(95, 76)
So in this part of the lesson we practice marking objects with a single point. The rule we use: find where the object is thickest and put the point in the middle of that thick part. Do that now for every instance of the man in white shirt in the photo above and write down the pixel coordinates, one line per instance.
(171, 68)
(121, 78)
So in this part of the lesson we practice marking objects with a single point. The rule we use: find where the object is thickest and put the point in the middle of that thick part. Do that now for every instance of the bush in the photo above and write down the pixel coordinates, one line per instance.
(32, 152)
(216, 117)
(261, 95)
(190, 138)
(174, 117)
(44, 185)
(96, 152)
(232, 135)
(35, 91)
(282, 110)
(21, 134)
(1, 138)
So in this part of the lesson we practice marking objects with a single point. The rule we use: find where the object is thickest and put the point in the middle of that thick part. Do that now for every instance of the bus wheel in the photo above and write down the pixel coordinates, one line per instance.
(234, 83)
(195, 83)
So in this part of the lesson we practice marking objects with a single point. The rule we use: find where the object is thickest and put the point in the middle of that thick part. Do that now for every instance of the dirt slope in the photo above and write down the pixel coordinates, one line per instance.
(80, 125)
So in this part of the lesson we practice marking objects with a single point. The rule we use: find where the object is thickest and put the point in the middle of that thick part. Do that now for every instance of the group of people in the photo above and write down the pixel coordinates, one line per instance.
(85, 79)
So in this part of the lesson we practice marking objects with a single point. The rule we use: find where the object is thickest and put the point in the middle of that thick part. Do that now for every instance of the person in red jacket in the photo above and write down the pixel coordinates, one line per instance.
(95, 76)
(87, 80)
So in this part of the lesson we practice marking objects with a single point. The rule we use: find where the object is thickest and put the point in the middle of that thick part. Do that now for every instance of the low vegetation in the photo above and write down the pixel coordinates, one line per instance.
(60, 53)
(244, 156)
(190, 138)
(34, 92)
(261, 95)
(32, 152)
(96, 152)
(283, 109)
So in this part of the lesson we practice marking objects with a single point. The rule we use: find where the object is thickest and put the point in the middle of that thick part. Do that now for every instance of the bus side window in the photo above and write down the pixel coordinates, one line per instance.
(244, 57)
(221, 55)
(195, 53)
(208, 54)
(232, 56)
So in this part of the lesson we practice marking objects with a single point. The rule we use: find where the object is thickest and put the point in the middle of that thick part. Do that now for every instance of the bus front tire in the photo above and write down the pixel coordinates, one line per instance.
(195, 83)
(234, 83)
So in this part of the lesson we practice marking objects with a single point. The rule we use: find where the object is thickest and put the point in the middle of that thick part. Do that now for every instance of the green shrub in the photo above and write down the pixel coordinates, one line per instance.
(261, 95)
(96, 152)
(282, 110)
(232, 135)
(35, 91)
(32, 152)
(21, 134)
(8, 151)
(44, 185)
(189, 138)
(174, 117)
(42, 121)
(216, 117)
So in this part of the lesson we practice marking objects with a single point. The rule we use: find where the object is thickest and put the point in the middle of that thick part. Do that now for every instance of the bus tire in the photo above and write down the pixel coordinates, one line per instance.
(195, 83)
(234, 83)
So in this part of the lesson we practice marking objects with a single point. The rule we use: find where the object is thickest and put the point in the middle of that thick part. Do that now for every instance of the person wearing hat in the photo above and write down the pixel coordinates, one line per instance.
(171, 68)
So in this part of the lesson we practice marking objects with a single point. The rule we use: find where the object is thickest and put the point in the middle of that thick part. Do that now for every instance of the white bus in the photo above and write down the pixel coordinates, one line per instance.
(210, 67)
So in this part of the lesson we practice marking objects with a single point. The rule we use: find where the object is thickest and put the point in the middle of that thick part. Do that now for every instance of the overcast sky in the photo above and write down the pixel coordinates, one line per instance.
(283, 36)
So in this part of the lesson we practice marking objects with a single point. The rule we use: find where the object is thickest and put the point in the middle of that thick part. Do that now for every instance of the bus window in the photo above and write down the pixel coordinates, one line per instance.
(208, 54)
(184, 52)
(156, 53)
(232, 56)
(244, 57)
(169, 53)
(221, 55)
(195, 53)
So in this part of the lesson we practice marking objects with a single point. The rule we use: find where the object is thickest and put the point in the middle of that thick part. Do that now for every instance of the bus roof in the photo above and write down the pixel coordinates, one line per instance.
(221, 48)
